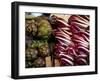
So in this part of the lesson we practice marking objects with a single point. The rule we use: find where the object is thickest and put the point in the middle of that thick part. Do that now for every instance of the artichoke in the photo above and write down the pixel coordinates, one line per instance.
(31, 54)
(43, 49)
(31, 28)
(44, 27)
(33, 44)
(40, 62)
(29, 64)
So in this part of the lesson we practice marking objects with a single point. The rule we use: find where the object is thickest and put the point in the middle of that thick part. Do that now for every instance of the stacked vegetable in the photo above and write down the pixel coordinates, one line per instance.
(72, 40)
(65, 42)
(80, 29)
(38, 30)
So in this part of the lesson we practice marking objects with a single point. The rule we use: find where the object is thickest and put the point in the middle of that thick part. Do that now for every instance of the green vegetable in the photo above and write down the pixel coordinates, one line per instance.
(44, 27)
(31, 28)
(29, 64)
(40, 62)
(43, 49)
(31, 54)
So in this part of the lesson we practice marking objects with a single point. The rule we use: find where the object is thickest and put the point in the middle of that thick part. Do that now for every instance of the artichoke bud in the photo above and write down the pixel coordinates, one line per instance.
(40, 62)
(44, 27)
(31, 54)
(29, 64)
(31, 27)
(43, 49)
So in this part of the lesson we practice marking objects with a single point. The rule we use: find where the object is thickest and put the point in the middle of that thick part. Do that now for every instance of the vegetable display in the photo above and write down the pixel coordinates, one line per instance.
(38, 30)
(72, 45)
(52, 40)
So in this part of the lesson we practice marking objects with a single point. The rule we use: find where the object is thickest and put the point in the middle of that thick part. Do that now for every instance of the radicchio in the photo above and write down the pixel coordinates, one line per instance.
(72, 45)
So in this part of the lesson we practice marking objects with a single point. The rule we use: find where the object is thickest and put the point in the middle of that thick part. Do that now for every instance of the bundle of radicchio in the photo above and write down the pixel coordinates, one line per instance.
(72, 40)
(80, 30)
